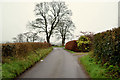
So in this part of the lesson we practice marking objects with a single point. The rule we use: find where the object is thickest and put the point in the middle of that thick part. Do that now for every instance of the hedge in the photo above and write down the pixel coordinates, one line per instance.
(107, 46)
(72, 45)
(21, 49)
(16, 66)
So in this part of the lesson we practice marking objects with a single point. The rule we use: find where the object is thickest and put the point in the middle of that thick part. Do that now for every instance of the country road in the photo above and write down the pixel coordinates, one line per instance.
(58, 64)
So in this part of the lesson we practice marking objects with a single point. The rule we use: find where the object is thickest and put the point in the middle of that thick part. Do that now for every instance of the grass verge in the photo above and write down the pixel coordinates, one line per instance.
(58, 46)
(93, 69)
(18, 65)
(0, 71)
(70, 51)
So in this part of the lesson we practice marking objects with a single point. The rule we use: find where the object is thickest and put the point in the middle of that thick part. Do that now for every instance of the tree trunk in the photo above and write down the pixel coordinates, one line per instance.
(27, 40)
(63, 42)
(33, 39)
(48, 39)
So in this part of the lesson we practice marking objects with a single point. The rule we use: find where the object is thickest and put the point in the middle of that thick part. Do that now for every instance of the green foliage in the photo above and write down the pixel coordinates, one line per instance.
(19, 65)
(93, 69)
(107, 46)
(83, 43)
(0, 70)
(107, 50)
(113, 71)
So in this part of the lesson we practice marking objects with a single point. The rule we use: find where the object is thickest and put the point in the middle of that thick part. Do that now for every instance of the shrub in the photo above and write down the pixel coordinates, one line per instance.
(21, 49)
(107, 50)
(8, 50)
(107, 46)
(72, 45)
(83, 44)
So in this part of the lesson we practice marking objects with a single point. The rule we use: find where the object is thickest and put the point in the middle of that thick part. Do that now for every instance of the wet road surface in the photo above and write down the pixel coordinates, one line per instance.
(58, 64)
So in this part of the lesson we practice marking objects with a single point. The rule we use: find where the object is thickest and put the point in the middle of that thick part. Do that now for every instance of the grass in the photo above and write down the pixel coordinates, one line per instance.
(0, 71)
(70, 51)
(93, 69)
(58, 46)
(81, 53)
(16, 66)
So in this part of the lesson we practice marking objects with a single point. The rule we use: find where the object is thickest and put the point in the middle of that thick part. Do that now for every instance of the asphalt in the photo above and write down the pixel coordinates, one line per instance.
(58, 64)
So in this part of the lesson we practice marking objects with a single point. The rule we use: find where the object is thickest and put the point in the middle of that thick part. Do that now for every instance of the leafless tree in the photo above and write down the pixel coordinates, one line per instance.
(48, 16)
(34, 37)
(65, 29)
(19, 38)
(27, 36)
(31, 36)
(41, 39)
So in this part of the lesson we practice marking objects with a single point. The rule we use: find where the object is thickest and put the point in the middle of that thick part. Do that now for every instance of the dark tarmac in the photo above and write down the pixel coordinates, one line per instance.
(58, 64)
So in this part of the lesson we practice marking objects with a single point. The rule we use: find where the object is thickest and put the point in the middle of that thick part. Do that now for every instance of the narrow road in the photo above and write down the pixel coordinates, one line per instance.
(58, 64)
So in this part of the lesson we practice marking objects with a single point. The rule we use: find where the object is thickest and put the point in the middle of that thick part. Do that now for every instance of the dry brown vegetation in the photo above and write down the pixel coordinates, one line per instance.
(20, 49)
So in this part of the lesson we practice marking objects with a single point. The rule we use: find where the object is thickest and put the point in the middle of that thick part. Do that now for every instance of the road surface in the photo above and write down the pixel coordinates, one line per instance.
(58, 64)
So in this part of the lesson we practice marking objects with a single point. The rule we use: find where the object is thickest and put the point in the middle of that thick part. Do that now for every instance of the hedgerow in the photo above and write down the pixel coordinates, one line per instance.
(107, 48)
(17, 66)
(21, 49)
(17, 57)
(72, 45)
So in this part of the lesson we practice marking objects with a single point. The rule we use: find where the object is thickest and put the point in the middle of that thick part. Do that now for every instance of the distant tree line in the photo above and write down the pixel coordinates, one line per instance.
(28, 37)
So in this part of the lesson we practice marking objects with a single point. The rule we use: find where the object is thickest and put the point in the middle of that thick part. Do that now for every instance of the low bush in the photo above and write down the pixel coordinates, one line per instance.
(72, 45)
(83, 44)
(21, 49)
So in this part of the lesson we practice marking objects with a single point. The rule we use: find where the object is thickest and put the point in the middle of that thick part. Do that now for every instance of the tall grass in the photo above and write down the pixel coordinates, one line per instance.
(18, 65)
(93, 69)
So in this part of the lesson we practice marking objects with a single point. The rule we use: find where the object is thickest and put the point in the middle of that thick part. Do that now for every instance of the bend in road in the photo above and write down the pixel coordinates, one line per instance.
(58, 64)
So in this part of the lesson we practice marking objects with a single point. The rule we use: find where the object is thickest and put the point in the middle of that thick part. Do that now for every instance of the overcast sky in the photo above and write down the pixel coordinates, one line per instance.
(93, 15)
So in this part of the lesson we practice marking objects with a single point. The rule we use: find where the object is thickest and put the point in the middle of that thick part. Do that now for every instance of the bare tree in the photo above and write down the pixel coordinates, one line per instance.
(19, 38)
(31, 36)
(48, 16)
(64, 30)
(27, 36)
(34, 36)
